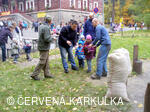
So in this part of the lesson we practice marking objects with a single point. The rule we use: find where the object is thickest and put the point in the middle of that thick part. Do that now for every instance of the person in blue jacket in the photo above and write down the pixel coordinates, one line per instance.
(88, 27)
(103, 39)
(80, 54)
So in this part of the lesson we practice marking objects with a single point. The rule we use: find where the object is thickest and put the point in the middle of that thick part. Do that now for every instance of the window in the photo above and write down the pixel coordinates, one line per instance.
(47, 3)
(30, 4)
(91, 6)
(85, 4)
(79, 4)
(72, 3)
(21, 7)
(95, 4)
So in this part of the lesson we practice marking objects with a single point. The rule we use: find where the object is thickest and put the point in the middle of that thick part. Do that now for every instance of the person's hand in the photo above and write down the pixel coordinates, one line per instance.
(94, 46)
(69, 43)
(54, 38)
(90, 45)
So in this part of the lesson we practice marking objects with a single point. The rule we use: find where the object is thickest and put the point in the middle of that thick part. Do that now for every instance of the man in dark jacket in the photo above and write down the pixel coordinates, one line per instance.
(4, 34)
(68, 39)
(88, 27)
(43, 46)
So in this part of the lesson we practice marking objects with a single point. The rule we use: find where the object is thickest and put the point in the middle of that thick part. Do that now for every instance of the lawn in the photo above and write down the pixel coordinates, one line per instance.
(16, 82)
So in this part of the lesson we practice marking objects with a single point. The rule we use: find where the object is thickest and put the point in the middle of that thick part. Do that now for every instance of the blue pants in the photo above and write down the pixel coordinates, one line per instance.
(16, 56)
(89, 64)
(81, 63)
(3, 47)
(63, 52)
(102, 59)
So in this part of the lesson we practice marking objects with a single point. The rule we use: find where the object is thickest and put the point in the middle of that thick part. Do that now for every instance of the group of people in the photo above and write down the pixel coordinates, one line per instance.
(11, 42)
(94, 35)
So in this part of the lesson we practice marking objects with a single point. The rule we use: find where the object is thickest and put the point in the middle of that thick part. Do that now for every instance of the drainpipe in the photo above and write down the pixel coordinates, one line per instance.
(59, 18)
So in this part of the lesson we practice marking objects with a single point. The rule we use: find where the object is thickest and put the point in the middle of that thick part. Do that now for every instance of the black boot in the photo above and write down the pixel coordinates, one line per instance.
(88, 71)
(49, 76)
(66, 71)
(75, 68)
(35, 77)
(94, 76)
(104, 74)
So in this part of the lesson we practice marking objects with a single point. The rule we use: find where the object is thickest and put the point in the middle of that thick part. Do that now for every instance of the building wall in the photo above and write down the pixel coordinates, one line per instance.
(64, 15)
(62, 11)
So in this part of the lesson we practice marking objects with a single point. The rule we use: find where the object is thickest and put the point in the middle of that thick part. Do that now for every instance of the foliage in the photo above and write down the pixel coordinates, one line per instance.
(140, 10)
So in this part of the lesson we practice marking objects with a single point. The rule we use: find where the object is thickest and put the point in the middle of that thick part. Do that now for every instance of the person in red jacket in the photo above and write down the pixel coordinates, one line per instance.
(89, 52)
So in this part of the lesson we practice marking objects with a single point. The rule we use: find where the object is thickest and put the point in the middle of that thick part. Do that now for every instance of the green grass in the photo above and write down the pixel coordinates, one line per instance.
(16, 82)
(128, 43)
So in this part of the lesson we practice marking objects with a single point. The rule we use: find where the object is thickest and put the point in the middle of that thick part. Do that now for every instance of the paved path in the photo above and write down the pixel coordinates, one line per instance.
(35, 61)
(136, 87)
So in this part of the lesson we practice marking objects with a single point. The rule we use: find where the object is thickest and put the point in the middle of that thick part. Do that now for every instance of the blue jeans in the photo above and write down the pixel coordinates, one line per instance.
(63, 52)
(3, 47)
(89, 64)
(102, 59)
(81, 63)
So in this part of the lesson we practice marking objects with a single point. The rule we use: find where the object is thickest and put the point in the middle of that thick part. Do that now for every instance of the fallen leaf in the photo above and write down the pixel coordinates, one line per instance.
(74, 108)
(140, 105)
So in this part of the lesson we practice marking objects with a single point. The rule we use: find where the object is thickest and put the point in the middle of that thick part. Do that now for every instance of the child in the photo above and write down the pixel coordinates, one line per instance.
(80, 54)
(15, 50)
(82, 38)
(89, 52)
(27, 49)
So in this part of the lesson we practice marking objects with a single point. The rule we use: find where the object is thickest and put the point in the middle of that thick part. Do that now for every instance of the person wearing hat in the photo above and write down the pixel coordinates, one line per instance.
(4, 34)
(80, 54)
(89, 52)
(43, 46)
(27, 49)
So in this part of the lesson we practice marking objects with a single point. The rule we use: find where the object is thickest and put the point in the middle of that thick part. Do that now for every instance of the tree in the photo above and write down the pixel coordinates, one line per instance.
(142, 13)
(126, 13)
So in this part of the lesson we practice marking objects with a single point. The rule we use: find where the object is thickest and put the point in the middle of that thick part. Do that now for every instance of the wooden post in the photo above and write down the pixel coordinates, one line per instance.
(147, 99)
(137, 64)
(135, 53)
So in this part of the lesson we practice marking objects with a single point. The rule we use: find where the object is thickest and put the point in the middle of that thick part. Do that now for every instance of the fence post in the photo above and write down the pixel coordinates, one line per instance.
(137, 64)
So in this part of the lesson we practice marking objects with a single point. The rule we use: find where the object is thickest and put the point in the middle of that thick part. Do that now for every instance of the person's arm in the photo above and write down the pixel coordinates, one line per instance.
(10, 35)
(17, 30)
(76, 52)
(63, 34)
(85, 29)
(98, 36)
(47, 35)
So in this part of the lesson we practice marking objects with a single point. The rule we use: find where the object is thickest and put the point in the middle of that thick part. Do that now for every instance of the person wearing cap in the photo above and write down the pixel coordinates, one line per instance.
(88, 27)
(80, 54)
(82, 38)
(43, 46)
(27, 49)
(4, 34)
(103, 39)
(89, 52)
(67, 40)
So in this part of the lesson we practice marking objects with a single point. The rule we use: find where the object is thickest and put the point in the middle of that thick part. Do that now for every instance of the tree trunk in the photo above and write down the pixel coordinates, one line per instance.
(113, 11)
